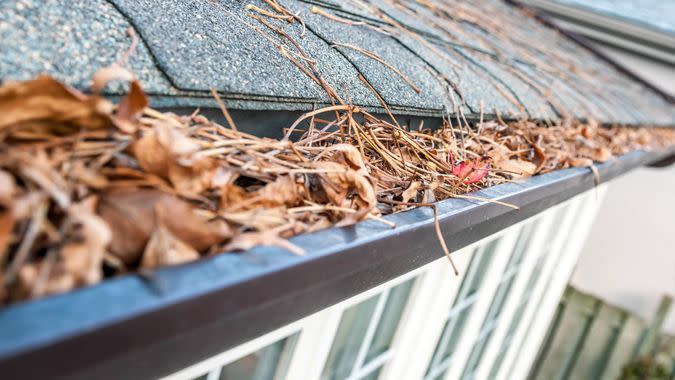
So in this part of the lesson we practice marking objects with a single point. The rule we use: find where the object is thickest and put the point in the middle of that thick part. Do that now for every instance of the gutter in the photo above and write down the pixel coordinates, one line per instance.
(141, 326)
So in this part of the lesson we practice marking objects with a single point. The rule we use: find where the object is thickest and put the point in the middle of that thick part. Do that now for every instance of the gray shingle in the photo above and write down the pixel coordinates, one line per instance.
(392, 87)
(509, 61)
(70, 40)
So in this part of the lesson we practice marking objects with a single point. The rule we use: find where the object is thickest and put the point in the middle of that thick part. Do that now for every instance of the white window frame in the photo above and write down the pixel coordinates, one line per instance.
(538, 247)
(534, 246)
(428, 305)
(538, 316)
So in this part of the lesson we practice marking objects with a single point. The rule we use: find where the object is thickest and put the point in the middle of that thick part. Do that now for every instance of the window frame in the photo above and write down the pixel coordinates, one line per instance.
(429, 304)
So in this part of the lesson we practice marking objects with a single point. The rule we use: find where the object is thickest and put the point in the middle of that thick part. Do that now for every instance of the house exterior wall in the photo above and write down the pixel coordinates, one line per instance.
(629, 258)
(494, 315)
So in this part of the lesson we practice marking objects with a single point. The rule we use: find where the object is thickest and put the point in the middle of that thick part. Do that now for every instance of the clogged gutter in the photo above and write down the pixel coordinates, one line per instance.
(89, 189)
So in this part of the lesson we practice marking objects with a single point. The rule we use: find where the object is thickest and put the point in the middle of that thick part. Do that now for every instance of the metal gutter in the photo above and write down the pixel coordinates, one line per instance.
(140, 327)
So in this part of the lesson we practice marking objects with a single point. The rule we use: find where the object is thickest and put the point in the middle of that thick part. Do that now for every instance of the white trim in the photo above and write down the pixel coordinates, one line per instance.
(553, 258)
(313, 346)
(424, 318)
(537, 329)
(373, 365)
(229, 356)
(372, 326)
(535, 248)
(480, 308)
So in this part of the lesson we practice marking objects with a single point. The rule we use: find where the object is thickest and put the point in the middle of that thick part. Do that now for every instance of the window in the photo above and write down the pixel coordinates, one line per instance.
(466, 327)
(499, 299)
(361, 344)
(460, 311)
(267, 363)
(533, 279)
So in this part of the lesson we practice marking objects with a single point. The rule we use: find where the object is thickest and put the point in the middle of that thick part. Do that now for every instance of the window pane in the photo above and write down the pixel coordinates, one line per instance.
(484, 257)
(524, 239)
(498, 361)
(398, 296)
(348, 339)
(354, 329)
(454, 327)
(476, 355)
(373, 375)
(265, 364)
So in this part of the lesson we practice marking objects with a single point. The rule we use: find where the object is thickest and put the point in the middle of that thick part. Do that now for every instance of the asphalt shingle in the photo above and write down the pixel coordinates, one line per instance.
(508, 62)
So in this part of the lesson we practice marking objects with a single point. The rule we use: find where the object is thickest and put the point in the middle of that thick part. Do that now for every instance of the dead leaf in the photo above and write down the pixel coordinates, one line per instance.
(130, 214)
(87, 237)
(6, 227)
(194, 178)
(7, 188)
(410, 194)
(108, 74)
(516, 167)
(35, 166)
(54, 106)
(164, 248)
(284, 191)
(57, 281)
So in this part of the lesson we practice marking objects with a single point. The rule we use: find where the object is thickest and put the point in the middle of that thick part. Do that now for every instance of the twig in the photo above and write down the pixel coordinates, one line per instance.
(223, 109)
(380, 60)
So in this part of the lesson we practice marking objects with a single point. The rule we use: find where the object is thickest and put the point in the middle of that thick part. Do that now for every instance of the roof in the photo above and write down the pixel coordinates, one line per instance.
(507, 62)
(510, 63)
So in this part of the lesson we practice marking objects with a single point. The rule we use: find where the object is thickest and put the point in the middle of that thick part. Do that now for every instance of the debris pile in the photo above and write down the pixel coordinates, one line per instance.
(90, 189)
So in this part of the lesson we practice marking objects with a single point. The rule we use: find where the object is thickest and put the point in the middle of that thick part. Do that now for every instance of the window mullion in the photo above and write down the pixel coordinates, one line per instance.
(516, 293)
(371, 366)
(214, 374)
(571, 249)
(552, 262)
(480, 308)
(424, 317)
(370, 332)
(314, 344)
(464, 302)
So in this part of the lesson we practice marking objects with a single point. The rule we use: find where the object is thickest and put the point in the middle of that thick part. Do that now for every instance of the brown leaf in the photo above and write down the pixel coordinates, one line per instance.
(36, 167)
(130, 108)
(516, 167)
(7, 188)
(248, 240)
(151, 155)
(194, 178)
(410, 194)
(7, 193)
(130, 215)
(57, 281)
(164, 248)
(284, 191)
(87, 176)
(166, 151)
(87, 237)
(57, 107)
(231, 196)
(601, 154)
(6, 227)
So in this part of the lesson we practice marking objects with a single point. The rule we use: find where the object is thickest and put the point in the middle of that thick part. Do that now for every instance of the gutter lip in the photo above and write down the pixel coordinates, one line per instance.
(147, 326)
